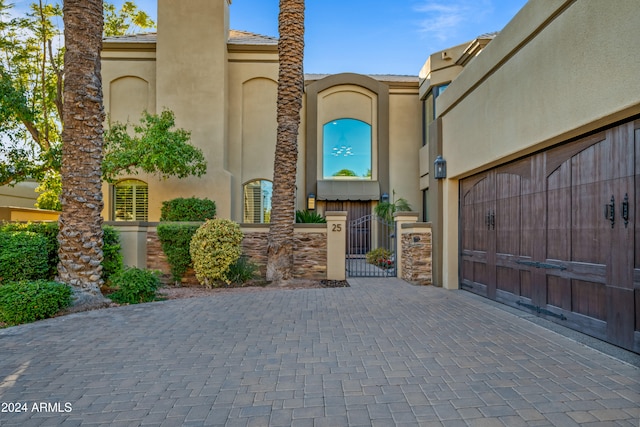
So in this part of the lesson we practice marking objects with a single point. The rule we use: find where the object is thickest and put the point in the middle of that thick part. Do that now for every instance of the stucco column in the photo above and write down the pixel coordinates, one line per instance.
(336, 244)
(450, 225)
(402, 218)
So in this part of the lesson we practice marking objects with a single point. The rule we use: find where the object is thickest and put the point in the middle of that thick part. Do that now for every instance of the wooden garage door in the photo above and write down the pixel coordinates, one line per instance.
(556, 233)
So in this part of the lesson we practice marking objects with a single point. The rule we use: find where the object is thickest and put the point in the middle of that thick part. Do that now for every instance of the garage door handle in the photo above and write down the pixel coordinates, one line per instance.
(610, 211)
(491, 220)
(625, 210)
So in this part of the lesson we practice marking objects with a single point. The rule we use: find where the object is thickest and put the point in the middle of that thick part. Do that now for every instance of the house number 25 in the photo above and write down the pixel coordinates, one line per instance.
(336, 227)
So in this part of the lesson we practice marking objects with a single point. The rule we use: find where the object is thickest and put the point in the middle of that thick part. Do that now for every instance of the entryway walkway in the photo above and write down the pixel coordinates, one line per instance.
(381, 352)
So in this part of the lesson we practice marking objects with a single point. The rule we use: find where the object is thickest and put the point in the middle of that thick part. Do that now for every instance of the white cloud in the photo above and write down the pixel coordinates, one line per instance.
(443, 19)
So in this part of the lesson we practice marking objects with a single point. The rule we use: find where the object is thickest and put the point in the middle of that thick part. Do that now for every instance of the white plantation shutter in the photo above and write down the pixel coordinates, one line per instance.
(131, 201)
(257, 201)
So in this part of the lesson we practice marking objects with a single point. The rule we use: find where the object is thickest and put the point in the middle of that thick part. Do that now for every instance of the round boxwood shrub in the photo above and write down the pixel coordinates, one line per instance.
(191, 209)
(214, 247)
(28, 301)
(134, 285)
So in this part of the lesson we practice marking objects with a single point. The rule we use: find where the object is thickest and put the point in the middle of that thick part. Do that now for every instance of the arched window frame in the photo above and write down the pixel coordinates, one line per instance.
(257, 211)
(339, 144)
(130, 200)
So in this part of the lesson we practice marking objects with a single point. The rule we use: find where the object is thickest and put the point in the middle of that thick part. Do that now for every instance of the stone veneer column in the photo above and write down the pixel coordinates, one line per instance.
(402, 218)
(336, 244)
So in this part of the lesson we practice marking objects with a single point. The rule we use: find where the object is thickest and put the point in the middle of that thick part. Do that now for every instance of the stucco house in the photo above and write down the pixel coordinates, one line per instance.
(222, 85)
(537, 127)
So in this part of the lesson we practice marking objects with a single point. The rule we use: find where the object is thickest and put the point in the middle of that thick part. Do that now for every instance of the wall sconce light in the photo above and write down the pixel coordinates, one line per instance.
(385, 197)
(440, 167)
(311, 202)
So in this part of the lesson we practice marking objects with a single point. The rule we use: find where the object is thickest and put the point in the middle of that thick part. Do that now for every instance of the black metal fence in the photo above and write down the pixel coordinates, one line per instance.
(371, 250)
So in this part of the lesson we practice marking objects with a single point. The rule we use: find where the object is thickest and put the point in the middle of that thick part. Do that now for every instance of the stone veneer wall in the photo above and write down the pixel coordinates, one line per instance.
(310, 253)
(416, 254)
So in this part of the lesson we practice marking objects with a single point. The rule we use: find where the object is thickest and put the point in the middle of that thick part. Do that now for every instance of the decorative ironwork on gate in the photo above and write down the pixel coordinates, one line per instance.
(371, 247)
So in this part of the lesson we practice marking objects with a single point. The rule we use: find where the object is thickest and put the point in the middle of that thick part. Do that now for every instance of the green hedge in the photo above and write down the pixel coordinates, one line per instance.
(21, 256)
(192, 209)
(111, 264)
(49, 230)
(134, 285)
(28, 301)
(175, 239)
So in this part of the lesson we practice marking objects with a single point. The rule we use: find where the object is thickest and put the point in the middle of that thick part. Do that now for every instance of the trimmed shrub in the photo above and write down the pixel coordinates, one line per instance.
(50, 232)
(214, 247)
(309, 217)
(134, 285)
(21, 256)
(28, 301)
(175, 239)
(112, 261)
(192, 209)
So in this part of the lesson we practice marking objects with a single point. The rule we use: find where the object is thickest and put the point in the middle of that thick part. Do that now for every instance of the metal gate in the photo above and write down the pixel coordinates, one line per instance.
(371, 250)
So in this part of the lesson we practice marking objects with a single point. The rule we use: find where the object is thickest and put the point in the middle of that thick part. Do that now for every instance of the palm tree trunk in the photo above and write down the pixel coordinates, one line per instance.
(80, 222)
(290, 91)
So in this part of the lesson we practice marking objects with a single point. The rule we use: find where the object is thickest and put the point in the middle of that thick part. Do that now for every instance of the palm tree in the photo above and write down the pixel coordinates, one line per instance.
(290, 90)
(80, 222)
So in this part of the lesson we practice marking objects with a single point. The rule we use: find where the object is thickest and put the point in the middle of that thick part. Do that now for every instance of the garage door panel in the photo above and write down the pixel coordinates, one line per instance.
(589, 299)
(526, 285)
(559, 292)
(508, 279)
(620, 316)
(558, 213)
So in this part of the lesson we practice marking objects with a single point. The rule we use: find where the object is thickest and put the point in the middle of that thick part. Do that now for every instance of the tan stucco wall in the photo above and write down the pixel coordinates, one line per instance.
(559, 69)
(405, 133)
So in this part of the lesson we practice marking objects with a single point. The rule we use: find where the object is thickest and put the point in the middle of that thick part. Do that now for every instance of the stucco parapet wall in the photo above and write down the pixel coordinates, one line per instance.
(534, 16)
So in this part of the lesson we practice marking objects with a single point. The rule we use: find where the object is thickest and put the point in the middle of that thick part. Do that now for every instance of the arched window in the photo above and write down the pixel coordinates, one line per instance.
(346, 146)
(130, 201)
(257, 201)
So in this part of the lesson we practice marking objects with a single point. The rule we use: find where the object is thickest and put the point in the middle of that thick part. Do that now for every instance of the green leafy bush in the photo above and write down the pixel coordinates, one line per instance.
(309, 217)
(380, 257)
(21, 256)
(112, 261)
(28, 301)
(175, 239)
(215, 246)
(134, 285)
(50, 232)
(242, 270)
(192, 209)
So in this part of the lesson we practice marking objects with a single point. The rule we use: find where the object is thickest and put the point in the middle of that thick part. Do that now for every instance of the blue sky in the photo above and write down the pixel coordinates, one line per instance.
(372, 36)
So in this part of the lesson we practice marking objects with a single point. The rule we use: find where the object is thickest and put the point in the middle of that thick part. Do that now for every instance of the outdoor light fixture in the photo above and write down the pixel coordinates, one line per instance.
(440, 167)
(385, 197)
(311, 202)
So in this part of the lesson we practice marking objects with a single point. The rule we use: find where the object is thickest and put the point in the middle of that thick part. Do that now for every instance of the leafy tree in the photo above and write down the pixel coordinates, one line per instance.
(155, 148)
(290, 90)
(31, 85)
(345, 172)
(127, 20)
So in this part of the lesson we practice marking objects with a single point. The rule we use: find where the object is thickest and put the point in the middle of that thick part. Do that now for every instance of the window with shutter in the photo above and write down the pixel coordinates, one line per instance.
(130, 201)
(257, 201)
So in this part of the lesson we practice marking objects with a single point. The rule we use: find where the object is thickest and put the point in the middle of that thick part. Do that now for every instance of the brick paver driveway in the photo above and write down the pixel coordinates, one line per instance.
(379, 353)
